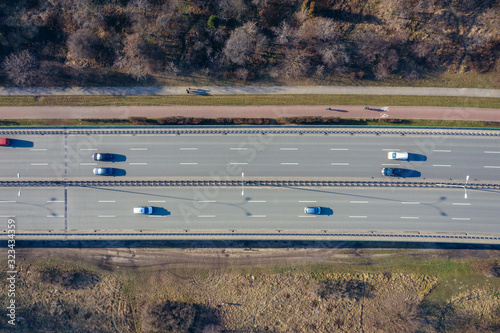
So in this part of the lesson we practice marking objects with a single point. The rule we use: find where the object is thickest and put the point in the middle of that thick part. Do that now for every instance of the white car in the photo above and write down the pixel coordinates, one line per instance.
(143, 210)
(392, 155)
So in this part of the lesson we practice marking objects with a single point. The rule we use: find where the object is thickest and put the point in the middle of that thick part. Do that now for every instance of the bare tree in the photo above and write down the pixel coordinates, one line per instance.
(296, 63)
(243, 42)
(135, 58)
(318, 29)
(84, 44)
(334, 56)
(22, 68)
(285, 33)
(232, 9)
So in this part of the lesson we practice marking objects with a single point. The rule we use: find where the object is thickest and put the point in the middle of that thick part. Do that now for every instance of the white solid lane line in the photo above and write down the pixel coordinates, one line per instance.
(358, 201)
(88, 163)
(257, 201)
(138, 163)
(491, 152)
(410, 217)
(289, 148)
(410, 202)
(461, 204)
(339, 149)
(357, 217)
(289, 163)
(492, 166)
(7, 215)
(442, 150)
(106, 201)
(186, 163)
(138, 148)
(442, 165)
(340, 163)
(206, 215)
(461, 218)
(106, 215)
(39, 163)
(38, 149)
(188, 148)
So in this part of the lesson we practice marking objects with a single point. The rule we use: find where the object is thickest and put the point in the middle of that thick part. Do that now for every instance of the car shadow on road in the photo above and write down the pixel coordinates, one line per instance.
(16, 143)
(409, 173)
(160, 211)
(326, 211)
(119, 158)
(416, 157)
(119, 172)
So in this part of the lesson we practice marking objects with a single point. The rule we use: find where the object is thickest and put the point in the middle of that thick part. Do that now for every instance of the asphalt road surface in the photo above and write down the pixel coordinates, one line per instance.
(211, 156)
(253, 209)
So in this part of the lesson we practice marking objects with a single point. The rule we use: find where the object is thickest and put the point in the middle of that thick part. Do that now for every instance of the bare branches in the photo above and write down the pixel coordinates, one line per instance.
(22, 68)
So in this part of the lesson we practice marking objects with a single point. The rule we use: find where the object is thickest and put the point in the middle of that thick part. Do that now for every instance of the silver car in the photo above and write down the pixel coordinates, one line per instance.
(143, 210)
(103, 171)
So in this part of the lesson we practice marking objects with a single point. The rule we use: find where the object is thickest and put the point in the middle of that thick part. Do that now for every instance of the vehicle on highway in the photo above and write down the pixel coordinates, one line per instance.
(102, 157)
(4, 142)
(393, 155)
(395, 172)
(103, 171)
(312, 210)
(143, 210)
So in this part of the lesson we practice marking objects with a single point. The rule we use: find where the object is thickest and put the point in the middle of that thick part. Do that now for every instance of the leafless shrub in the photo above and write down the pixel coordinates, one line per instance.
(232, 9)
(22, 68)
(84, 44)
(318, 30)
(243, 42)
(334, 56)
(135, 58)
(285, 33)
(242, 74)
(296, 63)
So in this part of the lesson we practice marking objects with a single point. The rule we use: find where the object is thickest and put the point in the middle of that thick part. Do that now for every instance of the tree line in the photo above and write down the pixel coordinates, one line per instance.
(116, 42)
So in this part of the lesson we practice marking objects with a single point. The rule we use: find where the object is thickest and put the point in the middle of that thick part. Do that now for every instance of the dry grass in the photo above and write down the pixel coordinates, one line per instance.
(393, 292)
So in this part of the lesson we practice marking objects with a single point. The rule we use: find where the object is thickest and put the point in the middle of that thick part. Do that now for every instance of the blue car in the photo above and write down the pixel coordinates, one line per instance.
(312, 210)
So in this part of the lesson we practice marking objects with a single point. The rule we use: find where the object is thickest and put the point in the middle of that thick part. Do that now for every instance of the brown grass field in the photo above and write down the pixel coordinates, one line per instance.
(256, 290)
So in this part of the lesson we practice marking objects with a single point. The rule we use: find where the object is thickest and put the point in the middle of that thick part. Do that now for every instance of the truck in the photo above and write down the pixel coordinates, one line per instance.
(4, 142)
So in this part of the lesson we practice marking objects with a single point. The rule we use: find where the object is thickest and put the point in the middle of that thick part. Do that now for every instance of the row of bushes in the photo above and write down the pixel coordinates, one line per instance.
(178, 120)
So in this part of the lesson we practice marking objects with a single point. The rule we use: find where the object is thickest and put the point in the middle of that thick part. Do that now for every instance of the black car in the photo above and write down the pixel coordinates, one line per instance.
(102, 157)
(395, 172)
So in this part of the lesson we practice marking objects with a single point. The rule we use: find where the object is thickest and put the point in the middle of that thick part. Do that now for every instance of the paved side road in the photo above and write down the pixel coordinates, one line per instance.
(342, 111)
(247, 90)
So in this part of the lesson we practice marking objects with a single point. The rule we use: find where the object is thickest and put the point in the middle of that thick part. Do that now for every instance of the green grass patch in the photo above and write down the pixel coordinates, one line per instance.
(228, 100)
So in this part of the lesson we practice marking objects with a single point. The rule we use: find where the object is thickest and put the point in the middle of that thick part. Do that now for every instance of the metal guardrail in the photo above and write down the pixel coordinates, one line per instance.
(253, 131)
(230, 183)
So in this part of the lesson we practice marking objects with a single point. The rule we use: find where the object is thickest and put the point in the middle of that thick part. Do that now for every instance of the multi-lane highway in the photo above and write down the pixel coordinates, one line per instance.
(101, 210)
(336, 156)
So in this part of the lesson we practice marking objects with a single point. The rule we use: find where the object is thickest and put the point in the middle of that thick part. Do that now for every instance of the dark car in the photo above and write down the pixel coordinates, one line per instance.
(102, 157)
(103, 171)
(395, 172)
